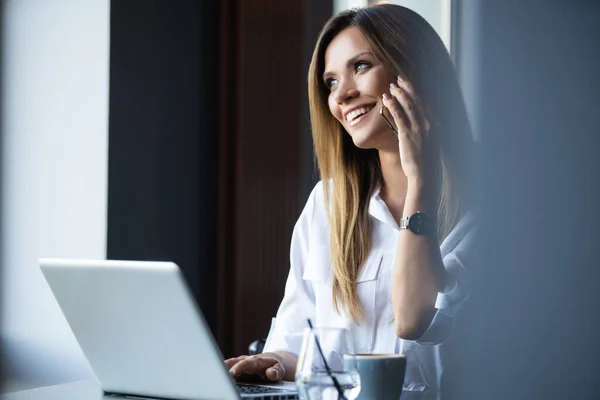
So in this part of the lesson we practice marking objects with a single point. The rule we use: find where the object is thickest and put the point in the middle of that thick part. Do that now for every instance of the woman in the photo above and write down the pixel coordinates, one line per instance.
(381, 244)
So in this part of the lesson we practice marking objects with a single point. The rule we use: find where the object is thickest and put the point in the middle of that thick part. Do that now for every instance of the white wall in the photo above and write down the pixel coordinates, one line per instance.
(54, 165)
(340, 5)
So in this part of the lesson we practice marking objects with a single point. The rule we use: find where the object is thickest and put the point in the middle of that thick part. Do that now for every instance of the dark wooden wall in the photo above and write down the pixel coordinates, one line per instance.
(210, 157)
(266, 165)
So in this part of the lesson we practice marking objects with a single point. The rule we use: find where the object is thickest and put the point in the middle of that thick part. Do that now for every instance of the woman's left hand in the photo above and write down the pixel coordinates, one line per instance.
(413, 128)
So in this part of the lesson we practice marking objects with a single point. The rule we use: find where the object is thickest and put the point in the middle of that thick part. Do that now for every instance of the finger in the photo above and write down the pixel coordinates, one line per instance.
(275, 373)
(407, 105)
(230, 362)
(239, 358)
(252, 365)
(419, 109)
(400, 120)
(408, 87)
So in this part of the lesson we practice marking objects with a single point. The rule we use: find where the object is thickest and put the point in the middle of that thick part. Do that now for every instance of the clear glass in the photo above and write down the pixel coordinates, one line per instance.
(322, 373)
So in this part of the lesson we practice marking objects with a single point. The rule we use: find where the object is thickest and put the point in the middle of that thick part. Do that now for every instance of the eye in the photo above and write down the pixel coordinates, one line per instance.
(361, 65)
(330, 83)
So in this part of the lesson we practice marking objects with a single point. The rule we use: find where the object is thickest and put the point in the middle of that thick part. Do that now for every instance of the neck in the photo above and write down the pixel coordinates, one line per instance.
(394, 188)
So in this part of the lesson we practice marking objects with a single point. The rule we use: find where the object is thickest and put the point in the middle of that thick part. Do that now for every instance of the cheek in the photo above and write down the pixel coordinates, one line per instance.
(334, 109)
(379, 83)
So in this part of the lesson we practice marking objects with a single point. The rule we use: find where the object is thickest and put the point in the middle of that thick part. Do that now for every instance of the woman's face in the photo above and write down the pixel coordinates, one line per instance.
(356, 80)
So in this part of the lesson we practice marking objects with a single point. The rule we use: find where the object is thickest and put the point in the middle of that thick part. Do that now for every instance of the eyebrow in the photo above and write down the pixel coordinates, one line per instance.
(350, 61)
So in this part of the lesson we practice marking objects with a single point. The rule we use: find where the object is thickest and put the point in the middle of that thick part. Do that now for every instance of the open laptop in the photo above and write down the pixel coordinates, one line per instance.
(142, 332)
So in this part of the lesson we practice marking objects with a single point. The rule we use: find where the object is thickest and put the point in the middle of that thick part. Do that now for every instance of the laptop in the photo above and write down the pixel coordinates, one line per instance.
(142, 332)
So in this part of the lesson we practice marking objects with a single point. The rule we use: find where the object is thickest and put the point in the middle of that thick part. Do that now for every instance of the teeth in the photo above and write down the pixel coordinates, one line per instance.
(357, 113)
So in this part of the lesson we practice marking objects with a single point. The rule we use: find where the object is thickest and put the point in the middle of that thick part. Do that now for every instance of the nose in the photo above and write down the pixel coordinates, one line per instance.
(346, 90)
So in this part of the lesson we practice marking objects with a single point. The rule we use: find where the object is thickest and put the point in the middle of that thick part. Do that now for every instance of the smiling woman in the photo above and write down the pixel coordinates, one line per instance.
(383, 246)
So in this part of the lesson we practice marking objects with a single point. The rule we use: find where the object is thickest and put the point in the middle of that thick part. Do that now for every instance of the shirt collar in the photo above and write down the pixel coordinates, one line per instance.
(379, 210)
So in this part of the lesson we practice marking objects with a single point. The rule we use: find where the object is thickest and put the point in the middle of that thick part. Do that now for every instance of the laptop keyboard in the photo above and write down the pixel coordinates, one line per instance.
(270, 391)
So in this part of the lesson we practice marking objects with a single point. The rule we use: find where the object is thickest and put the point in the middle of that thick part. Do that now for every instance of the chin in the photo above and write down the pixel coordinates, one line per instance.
(363, 144)
(360, 138)
(366, 140)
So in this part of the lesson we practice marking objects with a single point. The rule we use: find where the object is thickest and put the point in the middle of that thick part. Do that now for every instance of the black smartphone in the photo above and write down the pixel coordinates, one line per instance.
(387, 121)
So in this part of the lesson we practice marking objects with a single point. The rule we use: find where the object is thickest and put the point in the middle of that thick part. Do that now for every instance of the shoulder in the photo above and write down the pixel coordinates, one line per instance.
(313, 223)
(314, 209)
(318, 191)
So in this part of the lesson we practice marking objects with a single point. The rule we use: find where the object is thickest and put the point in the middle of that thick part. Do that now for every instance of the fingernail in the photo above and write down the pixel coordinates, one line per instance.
(400, 79)
(231, 372)
(385, 96)
(276, 374)
(393, 85)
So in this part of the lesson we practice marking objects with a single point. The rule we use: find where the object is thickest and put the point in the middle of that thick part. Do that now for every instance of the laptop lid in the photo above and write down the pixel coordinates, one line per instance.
(140, 328)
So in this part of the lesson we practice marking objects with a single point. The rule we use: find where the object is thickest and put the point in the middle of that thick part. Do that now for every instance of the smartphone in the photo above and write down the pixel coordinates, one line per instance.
(387, 121)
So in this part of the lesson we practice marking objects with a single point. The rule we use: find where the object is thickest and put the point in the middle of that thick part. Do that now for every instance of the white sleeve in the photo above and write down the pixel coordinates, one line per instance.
(458, 254)
(298, 302)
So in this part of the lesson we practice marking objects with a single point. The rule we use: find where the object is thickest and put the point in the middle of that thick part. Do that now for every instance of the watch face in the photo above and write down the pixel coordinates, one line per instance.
(420, 224)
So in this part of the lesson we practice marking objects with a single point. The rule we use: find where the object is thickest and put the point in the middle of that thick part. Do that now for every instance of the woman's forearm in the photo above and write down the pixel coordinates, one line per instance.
(418, 273)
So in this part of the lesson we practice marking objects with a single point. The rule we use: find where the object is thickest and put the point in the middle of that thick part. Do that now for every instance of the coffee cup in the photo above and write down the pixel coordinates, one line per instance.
(381, 375)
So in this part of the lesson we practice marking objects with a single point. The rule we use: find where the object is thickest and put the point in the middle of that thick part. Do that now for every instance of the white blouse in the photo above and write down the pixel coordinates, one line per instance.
(308, 293)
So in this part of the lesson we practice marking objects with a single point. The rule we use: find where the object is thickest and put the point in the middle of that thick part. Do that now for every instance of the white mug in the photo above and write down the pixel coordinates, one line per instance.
(381, 375)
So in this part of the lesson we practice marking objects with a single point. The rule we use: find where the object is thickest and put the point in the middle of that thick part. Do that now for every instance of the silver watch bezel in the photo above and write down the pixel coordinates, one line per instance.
(405, 223)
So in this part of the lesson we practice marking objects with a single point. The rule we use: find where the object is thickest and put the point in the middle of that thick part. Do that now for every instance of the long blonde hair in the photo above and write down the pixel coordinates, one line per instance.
(406, 45)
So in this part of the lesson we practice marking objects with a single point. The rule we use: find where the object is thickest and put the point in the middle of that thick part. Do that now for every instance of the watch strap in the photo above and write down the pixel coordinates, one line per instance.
(404, 222)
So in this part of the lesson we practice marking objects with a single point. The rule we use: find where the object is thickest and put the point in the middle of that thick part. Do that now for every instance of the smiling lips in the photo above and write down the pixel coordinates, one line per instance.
(354, 116)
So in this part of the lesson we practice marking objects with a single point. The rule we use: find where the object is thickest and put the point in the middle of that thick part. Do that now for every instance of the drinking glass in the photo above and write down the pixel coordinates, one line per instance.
(326, 367)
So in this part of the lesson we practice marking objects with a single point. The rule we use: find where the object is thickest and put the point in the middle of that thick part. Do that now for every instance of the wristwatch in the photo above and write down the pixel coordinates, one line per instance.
(418, 223)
